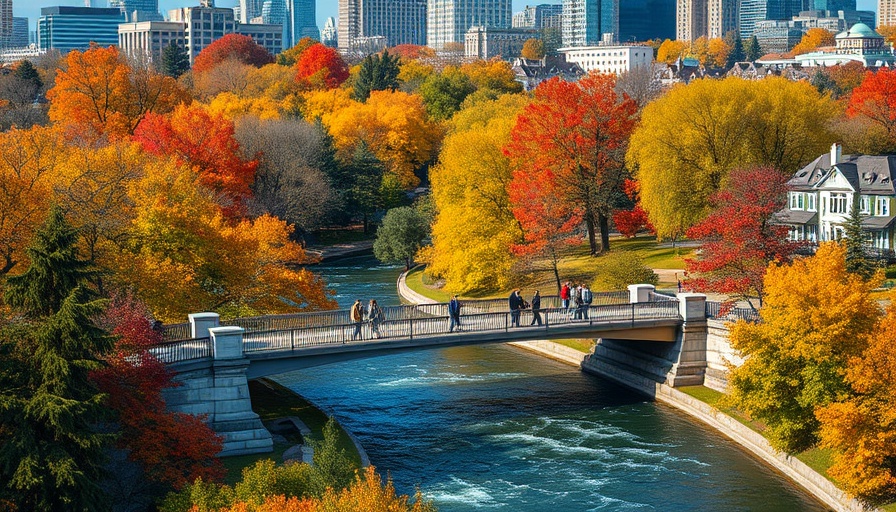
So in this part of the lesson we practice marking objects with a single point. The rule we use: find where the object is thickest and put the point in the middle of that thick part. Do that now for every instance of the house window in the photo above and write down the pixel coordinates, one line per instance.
(838, 204)
(883, 207)
(865, 205)
(881, 240)
(836, 233)
(796, 201)
(812, 233)
(810, 202)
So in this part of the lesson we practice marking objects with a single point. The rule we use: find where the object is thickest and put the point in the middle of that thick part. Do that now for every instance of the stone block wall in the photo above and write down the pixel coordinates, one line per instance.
(719, 355)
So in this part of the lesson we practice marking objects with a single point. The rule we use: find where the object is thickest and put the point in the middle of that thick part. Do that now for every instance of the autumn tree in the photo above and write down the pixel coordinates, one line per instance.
(699, 49)
(52, 454)
(640, 84)
(693, 136)
(175, 61)
(27, 161)
(815, 317)
(533, 49)
(377, 73)
(739, 237)
(670, 51)
(443, 93)
(98, 92)
(631, 221)
(413, 74)
(875, 100)
(474, 228)
(575, 135)
(290, 56)
(493, 75)
(412, 52)
(861, 428)
(19, 92)
(888, 31)
(321, 67)
(173, 449)
(717, 51)
(236, 47)
(206, 143)
(813, 39)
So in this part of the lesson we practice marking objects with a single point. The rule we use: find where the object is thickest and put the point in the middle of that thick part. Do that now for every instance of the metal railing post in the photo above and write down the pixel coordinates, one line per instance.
(633, 315)
(292, 339)
(506, 328)
(412, 327)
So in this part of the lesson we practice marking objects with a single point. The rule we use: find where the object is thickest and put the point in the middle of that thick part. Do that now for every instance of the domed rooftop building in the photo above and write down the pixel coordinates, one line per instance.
(860, 43)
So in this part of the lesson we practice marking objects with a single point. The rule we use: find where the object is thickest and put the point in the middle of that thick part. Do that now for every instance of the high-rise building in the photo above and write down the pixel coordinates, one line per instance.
(590, 22)
(329, 35)
(690, 19)
(301, 21)
(145, 40)
(447, 21)
(249, 9)
(640, 20)
(721, 17)
(752, 11)
(206, 23)
(886, 12)
(19, 33)
(538, 16)
(74, 28)
(398, 21)
(833, 5)
(6, 27)
(138, 10)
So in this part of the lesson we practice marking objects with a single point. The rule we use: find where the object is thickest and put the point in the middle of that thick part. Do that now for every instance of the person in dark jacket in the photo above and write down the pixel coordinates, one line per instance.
(516, 304)
(453, 314)
(536, 308)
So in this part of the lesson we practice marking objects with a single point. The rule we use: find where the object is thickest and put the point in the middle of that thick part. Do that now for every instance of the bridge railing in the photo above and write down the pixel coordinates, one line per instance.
(720, 311)
(426, 326)
(176, 332)
(184, 350)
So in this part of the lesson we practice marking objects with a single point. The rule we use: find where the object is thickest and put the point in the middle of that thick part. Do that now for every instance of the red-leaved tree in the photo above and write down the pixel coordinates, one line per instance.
(321, 67)
(630, 222)
(232, 46)
(875, 99)
(172, 448)
(549, 223)
(206, 142)
(575, 134)
(739, 238)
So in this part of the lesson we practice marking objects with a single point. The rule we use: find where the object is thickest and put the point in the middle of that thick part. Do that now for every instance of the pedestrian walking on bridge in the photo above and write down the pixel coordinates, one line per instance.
(454, 314)
(375, 316)
(536, 309)
(357, 316)
(516, 304)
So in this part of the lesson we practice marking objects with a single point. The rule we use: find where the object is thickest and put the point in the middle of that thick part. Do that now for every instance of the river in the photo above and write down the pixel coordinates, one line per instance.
(494, 428)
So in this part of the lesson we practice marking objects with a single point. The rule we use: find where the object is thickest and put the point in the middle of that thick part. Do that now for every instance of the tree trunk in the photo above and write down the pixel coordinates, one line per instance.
(554, 265)
(589, 223)
(604, 223)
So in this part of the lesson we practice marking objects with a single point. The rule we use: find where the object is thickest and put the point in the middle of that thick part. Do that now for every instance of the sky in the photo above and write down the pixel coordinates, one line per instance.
(325, 8)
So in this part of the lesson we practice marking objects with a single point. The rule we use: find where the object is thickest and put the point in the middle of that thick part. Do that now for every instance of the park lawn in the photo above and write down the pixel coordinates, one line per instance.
(271, 401)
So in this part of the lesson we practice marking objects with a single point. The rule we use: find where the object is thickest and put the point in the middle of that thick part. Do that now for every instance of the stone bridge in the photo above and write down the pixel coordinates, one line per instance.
(214, 362)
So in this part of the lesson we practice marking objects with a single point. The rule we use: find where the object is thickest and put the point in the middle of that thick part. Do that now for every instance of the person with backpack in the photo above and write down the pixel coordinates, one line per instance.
(454, 314)
(587, 298)
(357, 316)
(375, 317)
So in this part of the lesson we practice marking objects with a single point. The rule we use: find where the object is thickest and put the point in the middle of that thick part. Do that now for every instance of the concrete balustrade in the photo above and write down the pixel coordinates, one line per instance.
(227, 342)
(640, 292)
(200, 323)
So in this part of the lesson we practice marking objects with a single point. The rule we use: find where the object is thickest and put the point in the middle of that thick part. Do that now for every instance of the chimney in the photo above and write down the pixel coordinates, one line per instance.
(836, 153)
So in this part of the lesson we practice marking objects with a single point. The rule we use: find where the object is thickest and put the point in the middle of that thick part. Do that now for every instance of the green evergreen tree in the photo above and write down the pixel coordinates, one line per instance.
(364, 173)
(737, 52)
(52, 452)
(403, 232)
(377, 73)
(26, 71)
(55, 269)
(175, 61)
(855, 240)
(752, 50)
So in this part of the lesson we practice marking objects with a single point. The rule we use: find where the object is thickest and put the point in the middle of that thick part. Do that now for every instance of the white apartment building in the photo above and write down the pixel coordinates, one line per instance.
(202, 25)
(449, 20)
(147, 39)
(609, 59)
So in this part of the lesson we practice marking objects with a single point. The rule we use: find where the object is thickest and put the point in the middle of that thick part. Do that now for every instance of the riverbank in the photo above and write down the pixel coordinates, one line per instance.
(749, 440)
(326, 253)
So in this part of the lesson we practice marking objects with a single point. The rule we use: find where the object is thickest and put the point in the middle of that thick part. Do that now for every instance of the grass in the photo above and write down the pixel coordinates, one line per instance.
(271, 401)
(819, 459)
(582, 345)
(577, 265)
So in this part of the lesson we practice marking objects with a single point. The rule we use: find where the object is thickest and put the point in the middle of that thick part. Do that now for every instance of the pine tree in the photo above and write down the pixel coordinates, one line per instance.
(364, 194)
(377, 73)
(52, 452)
(54, 272)
(26, 71)
(752, 51)
(175, 61)
(737, 52)
(857, 260)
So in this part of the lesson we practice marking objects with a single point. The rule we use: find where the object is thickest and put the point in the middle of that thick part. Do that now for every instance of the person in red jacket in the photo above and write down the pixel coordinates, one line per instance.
(564, 295)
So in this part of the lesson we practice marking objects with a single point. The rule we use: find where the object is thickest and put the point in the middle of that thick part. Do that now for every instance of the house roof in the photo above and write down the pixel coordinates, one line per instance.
(867, 174)
(873, 223)
(795, 217)
(859, 30)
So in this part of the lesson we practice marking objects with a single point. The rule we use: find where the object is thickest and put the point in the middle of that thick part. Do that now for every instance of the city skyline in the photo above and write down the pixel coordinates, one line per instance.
(325, 8)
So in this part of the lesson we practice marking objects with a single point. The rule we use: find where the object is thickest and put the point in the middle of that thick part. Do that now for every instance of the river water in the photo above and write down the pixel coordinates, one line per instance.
(495, 428)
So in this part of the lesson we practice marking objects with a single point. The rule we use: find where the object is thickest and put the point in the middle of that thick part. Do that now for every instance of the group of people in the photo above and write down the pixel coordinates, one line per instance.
(517, 304)
(372, 314)
(576, 299)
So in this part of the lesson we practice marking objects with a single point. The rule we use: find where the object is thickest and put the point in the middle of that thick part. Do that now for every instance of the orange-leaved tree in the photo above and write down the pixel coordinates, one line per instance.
(206, 143)
(575, 135)
(875, 100)
(232, 46)
(321, 67)
(813, 39)
(172, 448)
(99, 93)
(862, 428)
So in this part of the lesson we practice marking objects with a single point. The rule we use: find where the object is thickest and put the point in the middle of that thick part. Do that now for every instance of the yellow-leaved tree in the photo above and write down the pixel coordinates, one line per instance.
(816, 317)
(474, 227)
(692, 137)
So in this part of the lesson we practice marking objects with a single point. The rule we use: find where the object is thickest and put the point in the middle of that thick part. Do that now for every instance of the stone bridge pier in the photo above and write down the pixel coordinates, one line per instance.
(645, 365)
(219, 390)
